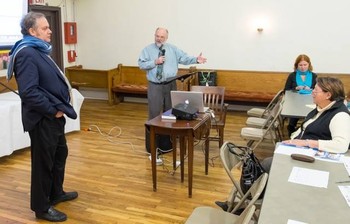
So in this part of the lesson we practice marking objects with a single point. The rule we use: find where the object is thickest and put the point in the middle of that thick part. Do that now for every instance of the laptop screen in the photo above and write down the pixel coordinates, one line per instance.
(194, 99)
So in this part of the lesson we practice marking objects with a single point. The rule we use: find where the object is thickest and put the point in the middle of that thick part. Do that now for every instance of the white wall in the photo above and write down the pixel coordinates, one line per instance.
(115, 31)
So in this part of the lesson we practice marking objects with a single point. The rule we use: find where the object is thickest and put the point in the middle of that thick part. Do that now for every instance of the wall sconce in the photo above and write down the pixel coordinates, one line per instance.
(260, 24)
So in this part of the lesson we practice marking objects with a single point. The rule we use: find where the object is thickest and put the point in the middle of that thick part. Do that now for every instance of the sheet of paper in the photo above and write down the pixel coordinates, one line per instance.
(310, 177)
(290, 149)
(346, 161)
(290, 221)
(345, 190)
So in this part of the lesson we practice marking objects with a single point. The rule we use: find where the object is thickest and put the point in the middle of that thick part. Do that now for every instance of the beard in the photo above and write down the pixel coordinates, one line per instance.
(158, 44)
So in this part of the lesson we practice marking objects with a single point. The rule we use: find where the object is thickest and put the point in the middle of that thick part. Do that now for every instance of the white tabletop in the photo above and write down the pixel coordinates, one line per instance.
(284, 200)
(12, 135)
(297, 105)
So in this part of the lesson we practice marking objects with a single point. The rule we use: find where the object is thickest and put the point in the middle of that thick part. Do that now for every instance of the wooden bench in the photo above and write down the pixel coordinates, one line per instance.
(257, 87)
(250, 86)
(241, 87)
(132, 81)
(92, 78)
(129, 81)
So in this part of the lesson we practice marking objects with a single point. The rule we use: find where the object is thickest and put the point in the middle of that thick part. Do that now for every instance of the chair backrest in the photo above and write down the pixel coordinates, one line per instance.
(230, 163)
(213, 97)
(253, 194)
(274, 114)
(270, 128)
(276, 99)
(246, 216)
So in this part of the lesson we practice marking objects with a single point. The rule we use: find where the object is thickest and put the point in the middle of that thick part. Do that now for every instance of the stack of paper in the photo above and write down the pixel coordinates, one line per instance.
(167, 115)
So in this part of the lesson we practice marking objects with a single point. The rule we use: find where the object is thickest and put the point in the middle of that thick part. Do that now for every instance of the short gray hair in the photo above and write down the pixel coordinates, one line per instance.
(29, 21)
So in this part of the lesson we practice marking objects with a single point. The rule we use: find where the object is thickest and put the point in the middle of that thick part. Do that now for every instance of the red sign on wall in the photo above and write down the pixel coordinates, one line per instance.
(36, 2)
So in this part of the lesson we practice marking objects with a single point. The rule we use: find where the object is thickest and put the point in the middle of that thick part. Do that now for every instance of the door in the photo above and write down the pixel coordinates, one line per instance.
(53, 16)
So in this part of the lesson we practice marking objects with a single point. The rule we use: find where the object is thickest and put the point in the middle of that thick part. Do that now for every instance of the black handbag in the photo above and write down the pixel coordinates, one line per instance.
(207, 78)
(251, 168)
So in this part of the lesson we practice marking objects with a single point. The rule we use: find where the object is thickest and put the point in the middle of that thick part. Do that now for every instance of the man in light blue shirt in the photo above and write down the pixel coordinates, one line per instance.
(161, 60)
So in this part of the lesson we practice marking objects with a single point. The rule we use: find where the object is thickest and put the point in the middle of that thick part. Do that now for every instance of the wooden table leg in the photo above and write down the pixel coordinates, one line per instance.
(190, 164)
(182, 156)
(207, 151)
(173, 142)
(152, 138)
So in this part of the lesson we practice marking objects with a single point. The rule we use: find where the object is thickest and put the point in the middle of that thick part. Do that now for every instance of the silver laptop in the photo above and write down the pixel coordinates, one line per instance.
(195, 99)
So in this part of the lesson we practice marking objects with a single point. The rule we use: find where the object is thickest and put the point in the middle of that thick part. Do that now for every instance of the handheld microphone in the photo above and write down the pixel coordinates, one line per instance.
(163, 52)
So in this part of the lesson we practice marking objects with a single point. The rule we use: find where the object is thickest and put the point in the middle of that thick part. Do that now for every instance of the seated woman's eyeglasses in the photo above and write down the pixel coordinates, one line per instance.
(317, 91)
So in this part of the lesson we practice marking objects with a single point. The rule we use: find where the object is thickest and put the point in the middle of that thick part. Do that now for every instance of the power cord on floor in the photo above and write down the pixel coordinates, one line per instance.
(160, 155)
(211, 159)
(166, 164)
(110, 136)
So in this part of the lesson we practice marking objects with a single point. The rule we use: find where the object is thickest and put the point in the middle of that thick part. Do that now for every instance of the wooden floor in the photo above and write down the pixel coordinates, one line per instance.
(109, 168)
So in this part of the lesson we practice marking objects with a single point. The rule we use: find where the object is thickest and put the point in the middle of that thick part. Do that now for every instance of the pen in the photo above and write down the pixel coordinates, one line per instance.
(343, 182)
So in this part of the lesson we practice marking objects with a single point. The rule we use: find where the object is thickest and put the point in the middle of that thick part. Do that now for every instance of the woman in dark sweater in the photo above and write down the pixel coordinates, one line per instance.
(302, 80)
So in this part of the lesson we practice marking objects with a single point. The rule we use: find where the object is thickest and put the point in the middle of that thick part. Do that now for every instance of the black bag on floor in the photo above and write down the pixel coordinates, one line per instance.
(251, 169)
(163, 142)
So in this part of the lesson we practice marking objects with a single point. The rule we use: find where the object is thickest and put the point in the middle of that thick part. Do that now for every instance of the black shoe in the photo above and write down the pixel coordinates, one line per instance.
(66, 196)
(239, 211)
(222, 204)
(51, 215)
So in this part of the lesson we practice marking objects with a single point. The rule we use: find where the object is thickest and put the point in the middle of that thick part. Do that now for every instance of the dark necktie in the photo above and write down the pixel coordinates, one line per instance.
(160, 67)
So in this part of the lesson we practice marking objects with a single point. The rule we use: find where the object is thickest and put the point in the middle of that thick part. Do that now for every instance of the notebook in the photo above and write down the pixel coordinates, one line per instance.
(195, 99)
(167, 115)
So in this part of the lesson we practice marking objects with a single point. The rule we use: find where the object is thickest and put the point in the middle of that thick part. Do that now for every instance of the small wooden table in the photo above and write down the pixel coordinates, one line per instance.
(185, 130)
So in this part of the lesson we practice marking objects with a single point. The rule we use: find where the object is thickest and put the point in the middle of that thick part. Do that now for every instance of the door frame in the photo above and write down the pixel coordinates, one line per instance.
(53, 16)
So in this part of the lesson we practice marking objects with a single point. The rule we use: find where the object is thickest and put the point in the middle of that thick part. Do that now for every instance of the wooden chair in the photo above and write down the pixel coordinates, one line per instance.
(209, 215)
(213, 97)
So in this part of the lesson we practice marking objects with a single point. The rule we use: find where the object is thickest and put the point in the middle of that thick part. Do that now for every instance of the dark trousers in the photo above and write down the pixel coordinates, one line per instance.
(292, 125)
(49, 152)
